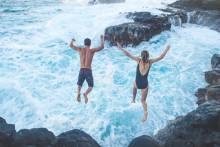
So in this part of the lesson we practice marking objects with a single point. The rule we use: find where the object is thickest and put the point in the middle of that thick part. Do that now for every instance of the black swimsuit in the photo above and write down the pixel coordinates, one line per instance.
(142, 80)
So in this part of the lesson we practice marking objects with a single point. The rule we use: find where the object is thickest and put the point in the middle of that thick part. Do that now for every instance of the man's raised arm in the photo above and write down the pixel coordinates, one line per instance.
(161, 56)
(101, 45)
(74, 46)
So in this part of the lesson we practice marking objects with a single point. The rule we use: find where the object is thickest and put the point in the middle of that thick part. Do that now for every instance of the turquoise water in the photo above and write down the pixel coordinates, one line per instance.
(38, 71)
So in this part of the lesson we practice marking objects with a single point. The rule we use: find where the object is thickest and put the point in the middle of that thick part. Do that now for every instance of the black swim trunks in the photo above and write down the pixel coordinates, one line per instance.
(85, 74)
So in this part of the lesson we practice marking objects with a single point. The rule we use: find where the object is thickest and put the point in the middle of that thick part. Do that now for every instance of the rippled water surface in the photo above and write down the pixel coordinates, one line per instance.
(38, 71)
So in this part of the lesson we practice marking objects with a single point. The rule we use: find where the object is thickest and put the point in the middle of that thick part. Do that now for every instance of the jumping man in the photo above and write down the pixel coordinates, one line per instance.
(86, 55)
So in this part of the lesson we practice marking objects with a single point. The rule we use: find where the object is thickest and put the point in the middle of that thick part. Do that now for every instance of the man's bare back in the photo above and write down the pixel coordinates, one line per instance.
(86, 56)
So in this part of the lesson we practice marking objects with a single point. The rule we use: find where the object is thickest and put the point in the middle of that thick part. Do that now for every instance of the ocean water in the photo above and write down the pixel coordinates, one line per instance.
(38, 71)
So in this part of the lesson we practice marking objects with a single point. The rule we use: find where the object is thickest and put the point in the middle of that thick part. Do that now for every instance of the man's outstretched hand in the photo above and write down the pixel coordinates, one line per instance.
(102, 38)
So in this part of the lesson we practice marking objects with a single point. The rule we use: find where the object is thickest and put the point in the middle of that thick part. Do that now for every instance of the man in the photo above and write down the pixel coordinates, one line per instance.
(86, 55)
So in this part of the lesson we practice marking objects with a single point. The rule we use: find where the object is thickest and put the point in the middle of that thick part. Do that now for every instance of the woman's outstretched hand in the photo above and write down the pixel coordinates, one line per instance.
(119, 45)
(168, 48)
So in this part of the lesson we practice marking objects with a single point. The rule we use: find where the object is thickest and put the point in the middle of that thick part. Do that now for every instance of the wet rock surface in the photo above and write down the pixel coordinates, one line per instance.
(201, 12)
(198, 4)
(144, 141)
(205, 18)
(35, 137)
(199, 128)
(215, 61)
(75, 138)
(212, 77)
(42, 137)
(144, 27)
(7, 132)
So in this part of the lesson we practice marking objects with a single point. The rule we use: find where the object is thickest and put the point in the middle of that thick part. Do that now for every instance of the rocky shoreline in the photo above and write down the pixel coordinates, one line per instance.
(42, 137)
(212, 77)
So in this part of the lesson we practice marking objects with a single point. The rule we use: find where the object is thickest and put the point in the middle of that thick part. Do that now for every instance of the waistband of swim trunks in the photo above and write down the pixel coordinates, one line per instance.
(86, 69)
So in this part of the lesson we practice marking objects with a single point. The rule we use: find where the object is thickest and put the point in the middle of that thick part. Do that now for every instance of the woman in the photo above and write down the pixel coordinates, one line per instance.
(143, 68)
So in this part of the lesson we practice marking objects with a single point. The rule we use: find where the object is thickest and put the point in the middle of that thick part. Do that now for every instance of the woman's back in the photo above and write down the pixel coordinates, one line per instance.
(143, 69)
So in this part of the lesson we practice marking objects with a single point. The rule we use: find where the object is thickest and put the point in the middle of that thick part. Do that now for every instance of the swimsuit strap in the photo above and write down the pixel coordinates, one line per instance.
(148, 67)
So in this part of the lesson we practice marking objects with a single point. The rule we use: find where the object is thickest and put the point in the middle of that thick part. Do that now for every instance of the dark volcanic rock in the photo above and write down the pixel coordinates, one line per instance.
(215, 61)
(146, 17)
(198, 4)
(75, 138)
(7, 132)
(144, 28)
(212, 77)
(199, 128)
(39, 137)
(213, 92)
(2, 120)
(201, 93)
(205, 18)
(201, 12)
(144, 141)
(2, 145)
(178, 143)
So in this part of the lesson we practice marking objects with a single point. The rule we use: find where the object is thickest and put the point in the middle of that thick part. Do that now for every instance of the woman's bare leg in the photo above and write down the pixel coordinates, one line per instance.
(144, 103)
(134, 92)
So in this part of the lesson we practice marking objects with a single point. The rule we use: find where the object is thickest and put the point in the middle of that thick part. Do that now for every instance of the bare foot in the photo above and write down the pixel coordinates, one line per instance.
(78, 98)
(133, 101)
(145, 116)
(86, 98)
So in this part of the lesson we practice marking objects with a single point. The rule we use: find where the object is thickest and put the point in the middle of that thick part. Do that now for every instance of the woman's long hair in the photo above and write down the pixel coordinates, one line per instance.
(145, 56)
(144, 64)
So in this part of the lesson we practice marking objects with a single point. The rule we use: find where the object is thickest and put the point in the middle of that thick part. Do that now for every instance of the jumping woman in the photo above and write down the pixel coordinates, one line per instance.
(143, 68)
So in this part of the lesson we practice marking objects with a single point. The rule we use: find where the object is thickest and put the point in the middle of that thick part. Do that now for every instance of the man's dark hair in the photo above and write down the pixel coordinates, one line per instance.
(87, 42)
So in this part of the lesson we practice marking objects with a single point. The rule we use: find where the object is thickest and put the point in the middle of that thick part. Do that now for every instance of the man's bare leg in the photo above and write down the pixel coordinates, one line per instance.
(78, 94)
(134, 92)
(86, 94)
(144, 103)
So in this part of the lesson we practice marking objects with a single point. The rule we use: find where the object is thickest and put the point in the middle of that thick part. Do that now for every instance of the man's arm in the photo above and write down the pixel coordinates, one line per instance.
(127, 53)
(74, 46)
(101, 45)
(161, 56)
